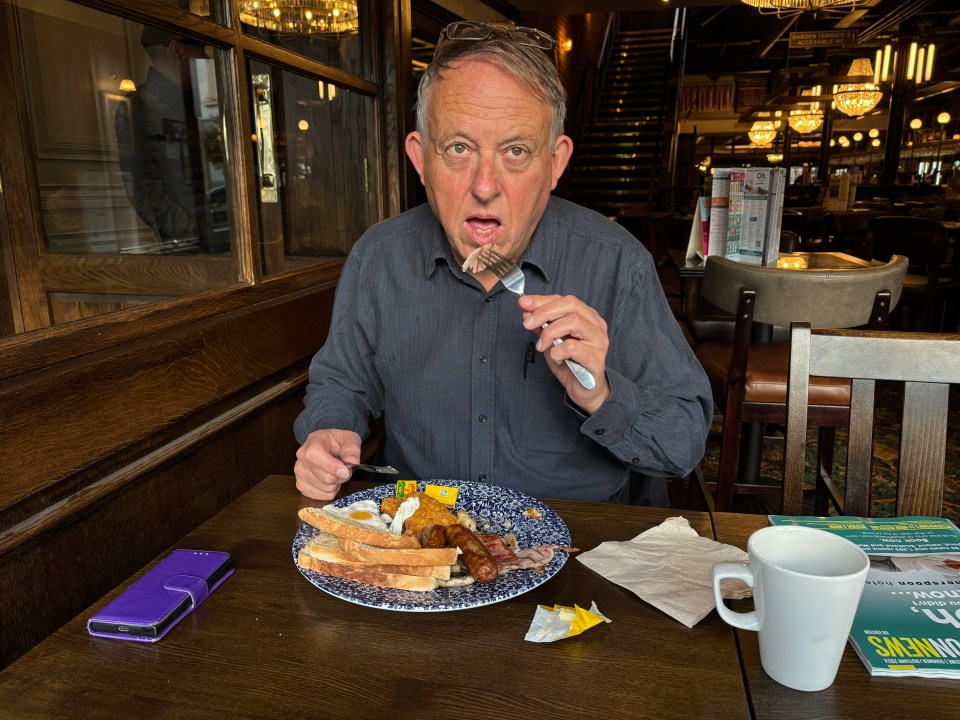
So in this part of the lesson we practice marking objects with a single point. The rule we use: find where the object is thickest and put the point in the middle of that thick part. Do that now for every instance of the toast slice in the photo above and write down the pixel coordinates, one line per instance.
(368, 574)
(399, 556)
(325, 547)
(350, 530)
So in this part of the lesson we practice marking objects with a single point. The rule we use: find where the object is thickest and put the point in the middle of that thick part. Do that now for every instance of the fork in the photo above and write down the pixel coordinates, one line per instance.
(382, 469)
(513, 280)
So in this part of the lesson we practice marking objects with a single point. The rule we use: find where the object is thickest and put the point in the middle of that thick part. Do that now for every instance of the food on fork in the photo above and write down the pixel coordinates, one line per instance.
(473, 263)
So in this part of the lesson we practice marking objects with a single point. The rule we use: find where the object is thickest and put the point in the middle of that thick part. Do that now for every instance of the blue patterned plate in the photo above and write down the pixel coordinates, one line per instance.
(497, 510)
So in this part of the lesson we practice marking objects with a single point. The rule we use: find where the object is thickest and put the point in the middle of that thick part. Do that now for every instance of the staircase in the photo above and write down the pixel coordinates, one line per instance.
(621, 150)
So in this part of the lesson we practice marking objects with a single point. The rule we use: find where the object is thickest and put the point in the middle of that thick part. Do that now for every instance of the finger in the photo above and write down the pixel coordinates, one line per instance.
(313, 486)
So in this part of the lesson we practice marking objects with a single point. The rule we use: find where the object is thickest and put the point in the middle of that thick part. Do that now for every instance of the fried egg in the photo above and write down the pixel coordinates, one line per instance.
(365, 512)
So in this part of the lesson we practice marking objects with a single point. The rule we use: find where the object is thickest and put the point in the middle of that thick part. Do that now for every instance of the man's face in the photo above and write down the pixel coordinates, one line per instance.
(488, 166)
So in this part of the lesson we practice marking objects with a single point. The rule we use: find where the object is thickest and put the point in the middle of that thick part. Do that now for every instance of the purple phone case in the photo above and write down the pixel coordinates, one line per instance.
(148, 609)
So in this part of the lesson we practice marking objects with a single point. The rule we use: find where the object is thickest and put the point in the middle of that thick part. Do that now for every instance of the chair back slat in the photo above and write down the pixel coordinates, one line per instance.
(923, 440)
(925, 363)
(860, 448)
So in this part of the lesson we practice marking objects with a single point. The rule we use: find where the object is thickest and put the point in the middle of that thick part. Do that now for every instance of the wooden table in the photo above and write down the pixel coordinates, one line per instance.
(854, 694)
(268, 644)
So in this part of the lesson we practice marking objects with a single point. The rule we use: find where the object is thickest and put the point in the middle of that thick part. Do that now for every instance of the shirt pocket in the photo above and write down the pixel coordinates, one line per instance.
(545, 423)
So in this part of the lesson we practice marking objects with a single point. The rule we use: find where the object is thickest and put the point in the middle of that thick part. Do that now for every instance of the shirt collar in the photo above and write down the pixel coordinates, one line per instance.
(541, 253)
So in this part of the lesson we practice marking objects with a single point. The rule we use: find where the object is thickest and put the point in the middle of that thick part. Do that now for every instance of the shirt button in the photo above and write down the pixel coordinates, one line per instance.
(482, 477)
(483, 358)
(489, 299)
(635, 461)
(482, 418)
(600, 431)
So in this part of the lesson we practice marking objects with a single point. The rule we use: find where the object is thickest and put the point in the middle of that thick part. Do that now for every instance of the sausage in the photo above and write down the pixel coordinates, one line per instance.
(475, 557)
(432, 536)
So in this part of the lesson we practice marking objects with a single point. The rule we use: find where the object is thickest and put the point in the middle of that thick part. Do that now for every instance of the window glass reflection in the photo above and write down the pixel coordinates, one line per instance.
(123, 133)
(315, 153)
(127, 144)
(171, 147)
(210, 9)
(328, 31)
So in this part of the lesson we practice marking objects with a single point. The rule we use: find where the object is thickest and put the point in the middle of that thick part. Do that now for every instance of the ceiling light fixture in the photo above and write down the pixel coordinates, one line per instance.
(807, 120)
(855, 99)
(301, 17)
(789, 8)
(763, 132)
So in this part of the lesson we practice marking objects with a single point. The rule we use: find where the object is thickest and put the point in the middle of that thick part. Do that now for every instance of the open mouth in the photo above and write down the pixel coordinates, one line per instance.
(483, 230)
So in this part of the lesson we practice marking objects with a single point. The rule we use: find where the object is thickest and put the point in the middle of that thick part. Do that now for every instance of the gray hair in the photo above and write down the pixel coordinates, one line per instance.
(531, 67)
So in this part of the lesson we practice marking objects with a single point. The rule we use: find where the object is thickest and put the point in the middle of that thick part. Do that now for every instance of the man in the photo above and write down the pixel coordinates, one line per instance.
(469, 385)
(159, 142)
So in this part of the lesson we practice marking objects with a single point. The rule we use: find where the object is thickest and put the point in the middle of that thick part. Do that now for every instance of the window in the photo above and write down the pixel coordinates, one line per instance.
(125, 169)
(317, 170)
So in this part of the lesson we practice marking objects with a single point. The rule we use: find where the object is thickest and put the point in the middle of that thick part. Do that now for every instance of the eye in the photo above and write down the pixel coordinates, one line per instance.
(517, 152)
(457, 149)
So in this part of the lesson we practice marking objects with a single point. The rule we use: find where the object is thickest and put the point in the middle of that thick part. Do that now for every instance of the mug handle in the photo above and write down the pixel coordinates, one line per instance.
(745, 621)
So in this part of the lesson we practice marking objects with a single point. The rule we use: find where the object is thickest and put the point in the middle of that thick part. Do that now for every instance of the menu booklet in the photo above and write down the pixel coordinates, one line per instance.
(908, 620)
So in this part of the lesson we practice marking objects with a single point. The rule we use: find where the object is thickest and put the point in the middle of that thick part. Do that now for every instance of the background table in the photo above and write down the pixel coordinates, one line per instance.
(854, 695)
(268, 644)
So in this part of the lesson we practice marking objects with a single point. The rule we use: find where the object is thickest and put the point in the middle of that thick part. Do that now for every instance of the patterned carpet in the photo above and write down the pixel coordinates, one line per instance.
(885, 459)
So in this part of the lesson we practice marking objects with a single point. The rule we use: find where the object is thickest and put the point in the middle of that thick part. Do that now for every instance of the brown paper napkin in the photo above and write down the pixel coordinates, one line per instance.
(668, 566)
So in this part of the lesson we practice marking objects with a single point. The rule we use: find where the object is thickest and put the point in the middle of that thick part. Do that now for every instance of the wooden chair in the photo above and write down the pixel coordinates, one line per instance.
(749, 379)
(931, 289)
(926, 363)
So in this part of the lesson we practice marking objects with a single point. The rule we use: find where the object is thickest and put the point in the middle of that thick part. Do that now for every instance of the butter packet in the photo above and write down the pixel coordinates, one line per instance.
(442, 493)
(559, 622)
(406, 487)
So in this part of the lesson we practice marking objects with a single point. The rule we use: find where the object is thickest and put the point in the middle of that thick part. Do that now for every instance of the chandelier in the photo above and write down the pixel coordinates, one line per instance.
(789, 8)
(809, 119)
(774, 158)
(301, 17)
(805, 121)
(763, 132)
(855, 99)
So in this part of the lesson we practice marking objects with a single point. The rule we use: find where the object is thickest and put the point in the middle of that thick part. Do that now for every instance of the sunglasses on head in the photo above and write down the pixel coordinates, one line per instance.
(469, 30)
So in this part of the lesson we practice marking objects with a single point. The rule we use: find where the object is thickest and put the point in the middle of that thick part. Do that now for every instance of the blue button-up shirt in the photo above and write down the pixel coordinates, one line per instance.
(463, 393)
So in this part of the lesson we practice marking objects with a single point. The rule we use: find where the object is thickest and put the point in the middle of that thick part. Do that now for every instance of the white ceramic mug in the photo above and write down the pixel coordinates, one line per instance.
(806, 587)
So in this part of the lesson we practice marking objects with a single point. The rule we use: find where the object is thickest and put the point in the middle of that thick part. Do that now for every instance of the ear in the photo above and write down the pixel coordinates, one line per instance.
(561, 156)
(414, 148)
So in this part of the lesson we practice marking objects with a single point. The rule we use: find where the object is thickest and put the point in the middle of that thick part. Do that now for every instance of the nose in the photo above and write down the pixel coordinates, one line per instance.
(486, 182)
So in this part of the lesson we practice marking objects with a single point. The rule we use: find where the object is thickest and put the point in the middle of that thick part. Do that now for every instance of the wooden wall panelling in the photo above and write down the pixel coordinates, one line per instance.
(78, 413)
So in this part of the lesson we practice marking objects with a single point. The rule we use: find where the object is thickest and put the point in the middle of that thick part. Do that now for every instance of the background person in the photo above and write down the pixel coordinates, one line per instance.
(466, 387)
(158, 137)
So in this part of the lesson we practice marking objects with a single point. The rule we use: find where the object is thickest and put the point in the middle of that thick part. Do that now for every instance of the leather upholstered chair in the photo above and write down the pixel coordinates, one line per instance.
(926, 364)
(707, 322)
(749, 379)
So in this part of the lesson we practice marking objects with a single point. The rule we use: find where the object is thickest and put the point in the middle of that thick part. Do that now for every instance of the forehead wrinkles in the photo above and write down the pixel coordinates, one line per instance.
(490, 107)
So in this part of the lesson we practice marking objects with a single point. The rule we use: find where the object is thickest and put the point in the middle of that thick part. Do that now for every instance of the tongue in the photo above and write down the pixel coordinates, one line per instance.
(483, 228)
